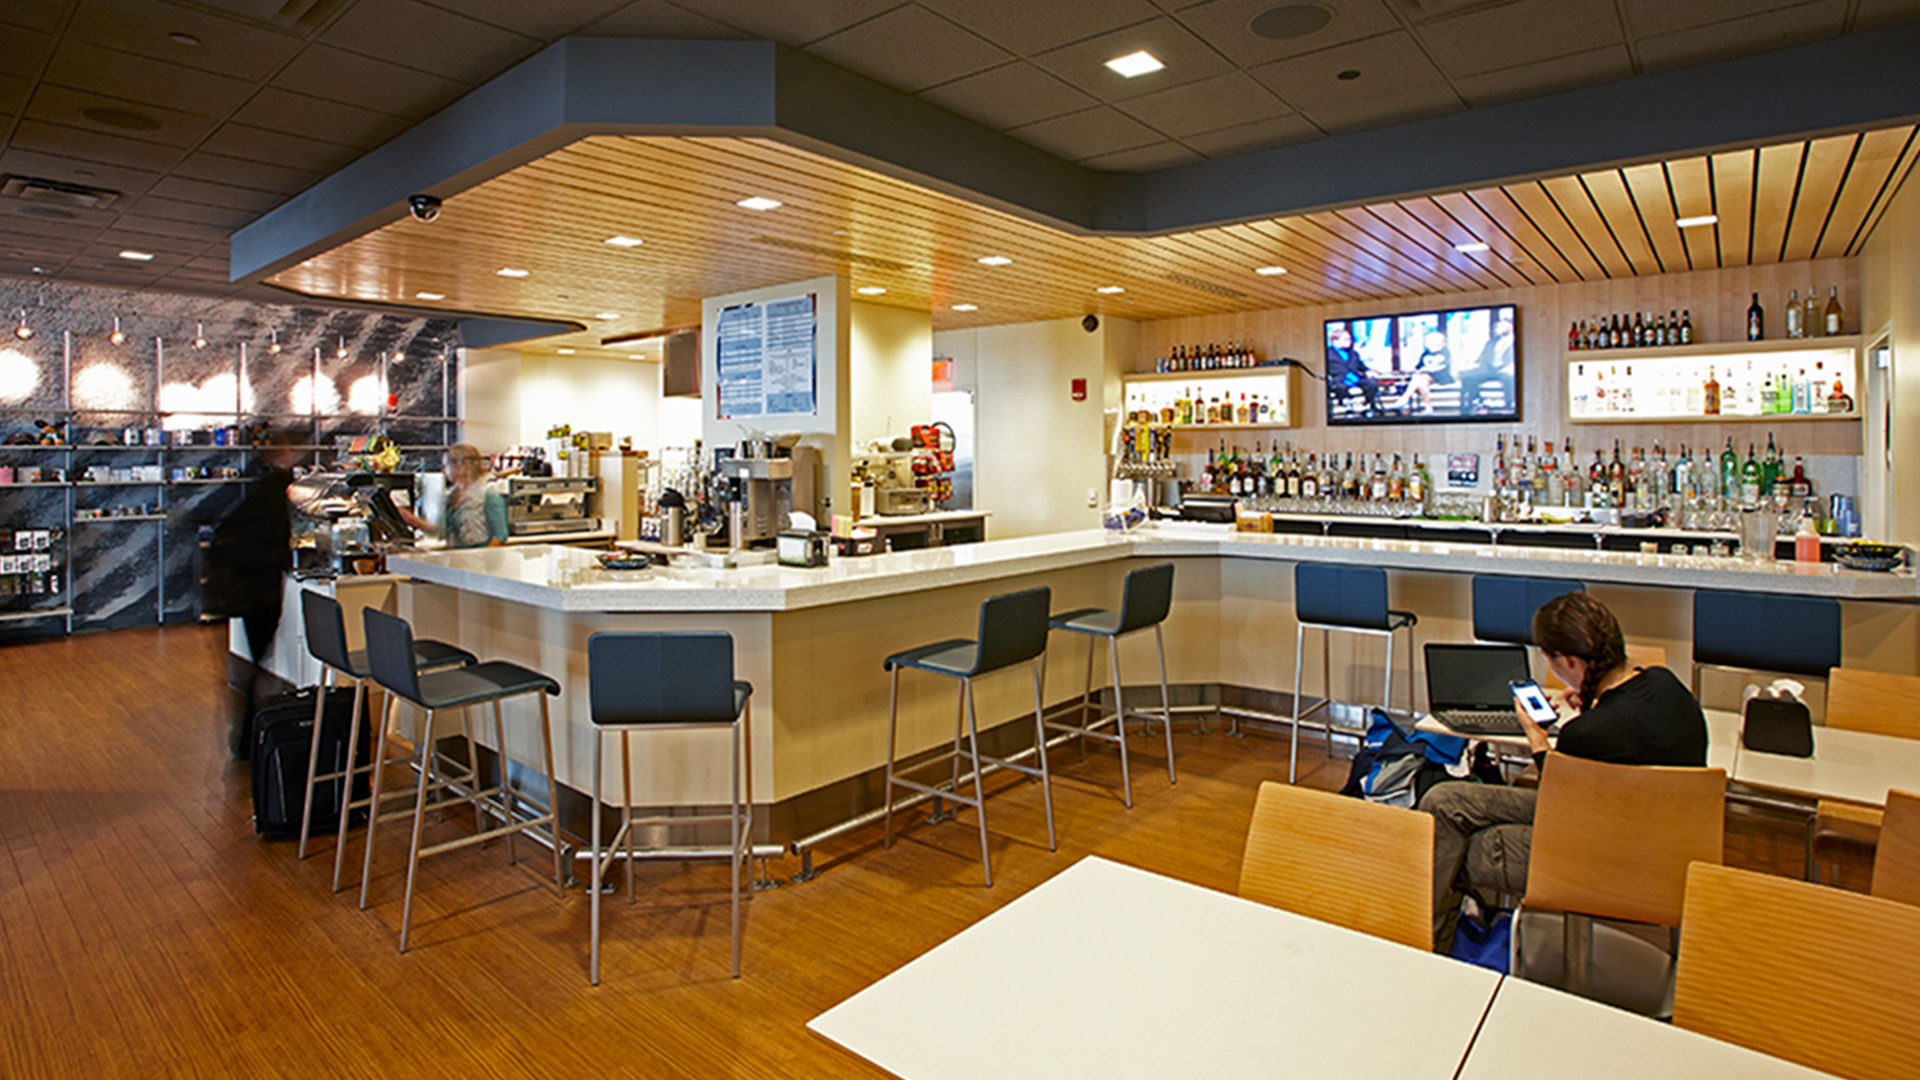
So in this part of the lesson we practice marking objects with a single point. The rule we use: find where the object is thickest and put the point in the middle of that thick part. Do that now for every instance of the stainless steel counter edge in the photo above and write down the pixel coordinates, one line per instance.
(567, 579)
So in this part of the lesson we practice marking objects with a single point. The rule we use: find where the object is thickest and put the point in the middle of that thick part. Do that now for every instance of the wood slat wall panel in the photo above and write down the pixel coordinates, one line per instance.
(1491, 213)
(1826, 167)
(1399, 222)
(1576, 203)
(1499, 258)
(1532, 202)
(1653, 199)
(1692, 186)
(1894, 182)
(1609, 193)
(1733, 194)
(1873, 165)
(1776, 179)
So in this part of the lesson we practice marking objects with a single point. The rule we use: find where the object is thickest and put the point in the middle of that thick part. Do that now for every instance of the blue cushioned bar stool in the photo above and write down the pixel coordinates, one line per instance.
(1742, 631)
(326, 628)
(666, 682)
(1503, 607)
(390, 656)
(1353, 600)
(1144, 603)
(1013, 630)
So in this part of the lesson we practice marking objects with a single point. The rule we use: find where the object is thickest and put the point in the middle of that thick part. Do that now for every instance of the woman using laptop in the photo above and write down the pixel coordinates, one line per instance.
(1621, 714)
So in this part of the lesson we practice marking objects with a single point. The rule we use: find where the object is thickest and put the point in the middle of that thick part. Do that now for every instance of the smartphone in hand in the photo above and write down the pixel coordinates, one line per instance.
(1533, 701)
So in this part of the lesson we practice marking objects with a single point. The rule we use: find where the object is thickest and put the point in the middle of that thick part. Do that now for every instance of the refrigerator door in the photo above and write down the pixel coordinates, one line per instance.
(955, 408)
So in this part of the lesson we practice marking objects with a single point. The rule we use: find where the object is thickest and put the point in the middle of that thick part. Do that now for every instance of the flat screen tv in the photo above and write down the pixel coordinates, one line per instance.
(1425, 367)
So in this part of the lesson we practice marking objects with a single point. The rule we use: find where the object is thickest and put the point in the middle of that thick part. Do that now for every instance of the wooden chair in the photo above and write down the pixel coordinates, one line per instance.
(1896, 866)
(1614, 842)
(1816, 976)
(1877, 703)
(1357, 864)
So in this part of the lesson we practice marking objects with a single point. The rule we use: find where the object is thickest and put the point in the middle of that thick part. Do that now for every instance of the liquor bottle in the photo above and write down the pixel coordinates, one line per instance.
(1794, 327)
(1499, 459)
(1612, 328)
(1624, 395)
(1730, 472)
(1310, 480)
(1571, 478)
(1711, 394)
(1573, 336)
(1837, 400)
(1750, 477)
(1817, 388)
(1377, 485)
(1597, 480)
(1241, 413)
(1798, 395)
(1419, 485)
(1756, 320)
(1616, 478)
(1639, 331)
(1833, 318)
(1683, 478)
(1810, 315)
(1686, 326)
(1206, 474)
(1798, 486)
(1771, 467)
(1396, 482)
(1673, 327)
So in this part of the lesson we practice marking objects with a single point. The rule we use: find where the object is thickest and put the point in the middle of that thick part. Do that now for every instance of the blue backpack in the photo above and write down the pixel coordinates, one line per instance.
(1396, 767)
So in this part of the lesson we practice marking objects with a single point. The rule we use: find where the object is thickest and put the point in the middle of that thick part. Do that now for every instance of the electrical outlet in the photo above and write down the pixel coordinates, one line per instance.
(1093, 497)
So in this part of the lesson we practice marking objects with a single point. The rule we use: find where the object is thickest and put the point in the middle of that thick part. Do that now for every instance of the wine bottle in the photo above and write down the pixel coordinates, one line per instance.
(1573, 336)
(1833, 316)
(1810, 315)
(1686, 326)
(1794, 327)
(1756, 320)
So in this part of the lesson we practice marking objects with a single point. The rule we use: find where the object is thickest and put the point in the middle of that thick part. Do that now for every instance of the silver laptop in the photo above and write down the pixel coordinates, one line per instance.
(1467, 686)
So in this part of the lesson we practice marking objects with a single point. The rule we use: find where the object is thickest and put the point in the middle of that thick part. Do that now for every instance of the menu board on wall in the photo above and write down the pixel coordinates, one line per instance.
(767, 358)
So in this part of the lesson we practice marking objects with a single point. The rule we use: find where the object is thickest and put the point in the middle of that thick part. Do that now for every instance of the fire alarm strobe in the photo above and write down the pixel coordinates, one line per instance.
(1079, 389)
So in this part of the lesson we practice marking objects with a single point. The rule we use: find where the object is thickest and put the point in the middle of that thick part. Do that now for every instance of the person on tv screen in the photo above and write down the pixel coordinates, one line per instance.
(1347, 374)
(1494, 372)
(1433, 368)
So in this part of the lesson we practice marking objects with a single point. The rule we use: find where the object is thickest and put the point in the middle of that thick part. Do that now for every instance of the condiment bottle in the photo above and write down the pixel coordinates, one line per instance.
(1806, 542)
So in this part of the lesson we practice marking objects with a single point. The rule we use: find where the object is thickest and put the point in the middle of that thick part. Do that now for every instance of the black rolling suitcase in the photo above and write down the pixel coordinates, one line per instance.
(282, 734)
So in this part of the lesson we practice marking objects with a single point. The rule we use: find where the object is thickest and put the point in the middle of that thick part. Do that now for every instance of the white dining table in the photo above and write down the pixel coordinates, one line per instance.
(1534, 1032)
(1110, 971)
(1723, 737)
(1853, 766)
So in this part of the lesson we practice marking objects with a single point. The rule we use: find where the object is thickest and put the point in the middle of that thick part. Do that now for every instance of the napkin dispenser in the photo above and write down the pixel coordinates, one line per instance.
(801, 548)
(1776, 724)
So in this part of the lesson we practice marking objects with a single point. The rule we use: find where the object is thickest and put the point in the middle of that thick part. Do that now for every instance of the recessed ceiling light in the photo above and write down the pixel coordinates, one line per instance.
(870, 290)
(1694, 222)
(625, 241)
(966, 307)
(760, 202)
(1109, 289)
(839, 232)
(181, 37)
(1470, 249)
(508, 271)
(1135, 64)
(1269, 271)
(564, 352)
(137, 256)
(993, 260)
(429, 296)
(606, 316)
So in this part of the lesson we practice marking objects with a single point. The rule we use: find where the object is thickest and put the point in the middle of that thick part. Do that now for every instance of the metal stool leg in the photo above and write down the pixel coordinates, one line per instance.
(1326, 680)
(1040, 751)
(734, 815)
(313, 757)
(1166, 701)
(473, 768)
(1086, 696)
(553, 796)
(353, 775)
(373, 808)
(893, 737)
(419, 815)
(507, 799)
(1293, 739)
(979, 781)
(599, 864)
(1120, 718)
(626, 807)
(1386, 697)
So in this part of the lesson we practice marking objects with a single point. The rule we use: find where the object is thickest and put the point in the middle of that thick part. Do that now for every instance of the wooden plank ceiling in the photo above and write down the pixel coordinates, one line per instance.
(1813, 199)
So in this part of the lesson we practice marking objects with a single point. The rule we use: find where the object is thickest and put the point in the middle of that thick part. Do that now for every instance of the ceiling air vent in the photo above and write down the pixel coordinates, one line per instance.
(300, 14)
(1206, 286)
(56, 193)
(832, 253)
(1417, 10)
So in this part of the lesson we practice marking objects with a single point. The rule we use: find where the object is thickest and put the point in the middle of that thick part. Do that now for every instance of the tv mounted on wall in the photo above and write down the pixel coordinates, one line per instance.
(1461, 364)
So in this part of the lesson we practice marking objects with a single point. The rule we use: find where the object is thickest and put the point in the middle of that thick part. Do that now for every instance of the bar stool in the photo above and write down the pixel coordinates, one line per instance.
(1013, 630)
(1144, 603)
(1741, 631)
(326, 629)
(1503, 607)
(389, 655)
(1352, 599)
(667, 682)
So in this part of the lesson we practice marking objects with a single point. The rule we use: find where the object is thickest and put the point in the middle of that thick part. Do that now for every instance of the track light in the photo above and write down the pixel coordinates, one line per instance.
(119, 336)
(199, 335)
(23, 331)
(273, 346)
(341, 352)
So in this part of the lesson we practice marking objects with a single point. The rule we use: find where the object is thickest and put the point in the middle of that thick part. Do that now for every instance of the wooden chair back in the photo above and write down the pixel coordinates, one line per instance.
(1357, 864)
(1896, 863)
(1874, 701)
(1614, 841)
(1814, 975)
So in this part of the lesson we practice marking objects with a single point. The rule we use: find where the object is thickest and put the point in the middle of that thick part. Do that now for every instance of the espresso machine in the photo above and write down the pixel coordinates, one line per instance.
(757, 492)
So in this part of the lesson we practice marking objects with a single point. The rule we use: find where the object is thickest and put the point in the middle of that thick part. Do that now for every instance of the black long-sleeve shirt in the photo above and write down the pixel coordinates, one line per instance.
(1651, 719)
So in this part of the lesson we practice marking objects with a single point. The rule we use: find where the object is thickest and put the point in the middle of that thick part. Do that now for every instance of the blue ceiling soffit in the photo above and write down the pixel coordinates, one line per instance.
(483, 333)
(581, 87)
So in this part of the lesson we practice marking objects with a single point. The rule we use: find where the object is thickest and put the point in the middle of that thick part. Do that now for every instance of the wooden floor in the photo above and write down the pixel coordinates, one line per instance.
(147, 932)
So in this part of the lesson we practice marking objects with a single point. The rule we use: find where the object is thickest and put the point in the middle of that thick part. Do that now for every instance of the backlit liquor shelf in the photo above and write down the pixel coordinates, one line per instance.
(1795, 379)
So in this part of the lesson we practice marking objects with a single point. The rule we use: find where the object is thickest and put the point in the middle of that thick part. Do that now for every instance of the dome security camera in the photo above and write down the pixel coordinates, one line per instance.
(423, 207)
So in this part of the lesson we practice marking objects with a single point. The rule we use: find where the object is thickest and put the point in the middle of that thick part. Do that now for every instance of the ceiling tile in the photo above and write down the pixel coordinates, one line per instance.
(330, 121)
(1388, 65)
(135, 78)
(24, 52)
(1360, 113)
(1546, 76)
(1206, 105)
(659, 19)
(1163, 155)
(793, 23)
(1880, 12)
(428, 38)
(1259, 135)
(1741, 37)
(1186, 57)
(34, 14)
(242, 50)
(23, 162)
(44, 231)
(1009, 95)
(1518, 33)
(1026, 27)
(1101, 130)
(1225, 24)
(13, 94)
(545, 20)
(64, 105)
(191, 230)
(211, 194)
(250, 174)
(910, 48)
(279, 148)
(322, 71)
(1647, 18)
(154, 206)
(94, 146)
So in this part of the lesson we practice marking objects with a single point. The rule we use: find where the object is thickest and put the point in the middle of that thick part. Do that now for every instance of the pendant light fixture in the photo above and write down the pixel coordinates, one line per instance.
(273, 346)
(199, 335)
(341, 352)
(119, 336)
(23, 331)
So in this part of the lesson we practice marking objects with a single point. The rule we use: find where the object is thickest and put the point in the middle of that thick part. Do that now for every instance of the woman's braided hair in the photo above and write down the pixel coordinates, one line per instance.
(1575, 624)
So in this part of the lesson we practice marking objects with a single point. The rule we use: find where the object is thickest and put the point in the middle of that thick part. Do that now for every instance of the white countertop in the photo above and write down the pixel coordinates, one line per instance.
(875, 520)
(569, 579)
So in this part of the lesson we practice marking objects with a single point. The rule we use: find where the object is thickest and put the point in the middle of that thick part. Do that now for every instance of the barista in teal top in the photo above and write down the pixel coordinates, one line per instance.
(474, 515)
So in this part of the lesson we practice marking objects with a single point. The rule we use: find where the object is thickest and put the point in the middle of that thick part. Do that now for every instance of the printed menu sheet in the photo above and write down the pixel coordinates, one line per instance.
(767, 358)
